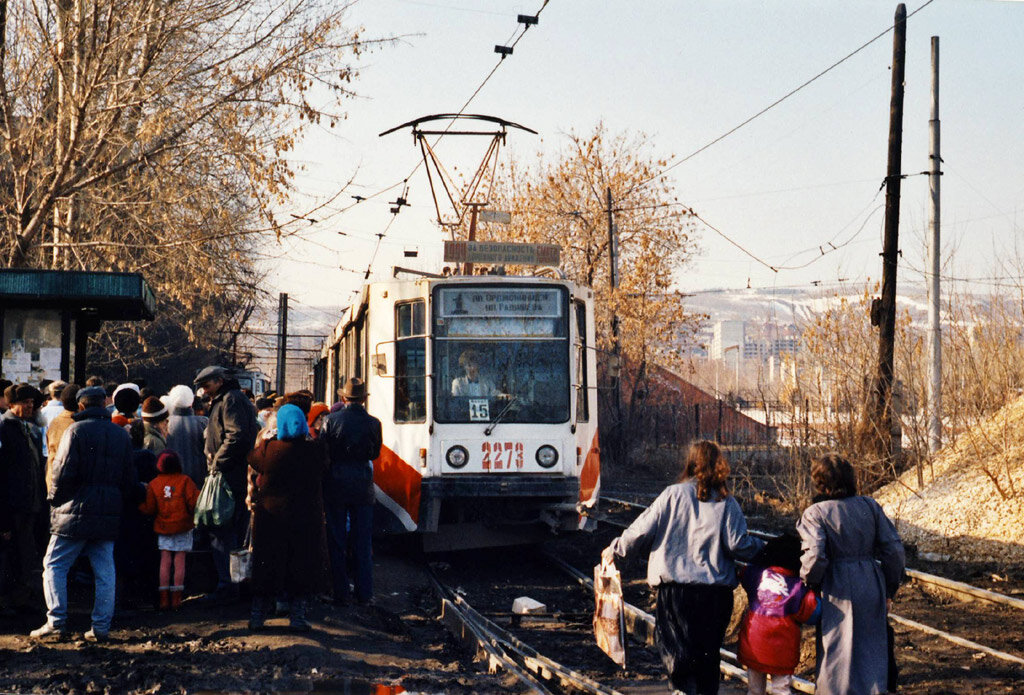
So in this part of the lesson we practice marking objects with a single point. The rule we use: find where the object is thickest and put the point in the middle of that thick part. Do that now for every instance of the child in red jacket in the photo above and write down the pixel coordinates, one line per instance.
(778, 604)
(171, 496)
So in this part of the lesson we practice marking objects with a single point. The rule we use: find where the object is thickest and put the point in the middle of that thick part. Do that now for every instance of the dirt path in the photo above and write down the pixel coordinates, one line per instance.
(210, 649)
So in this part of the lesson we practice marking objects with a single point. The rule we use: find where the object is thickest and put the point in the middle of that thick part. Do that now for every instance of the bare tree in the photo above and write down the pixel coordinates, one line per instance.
(563, 200)
(152, 135)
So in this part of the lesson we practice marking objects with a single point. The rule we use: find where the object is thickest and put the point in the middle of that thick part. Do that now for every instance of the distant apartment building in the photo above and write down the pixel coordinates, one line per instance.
(752, 341)
(727, 335)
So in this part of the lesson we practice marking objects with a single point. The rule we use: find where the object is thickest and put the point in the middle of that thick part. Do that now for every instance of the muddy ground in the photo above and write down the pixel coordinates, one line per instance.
(351, 649)
(398, 643)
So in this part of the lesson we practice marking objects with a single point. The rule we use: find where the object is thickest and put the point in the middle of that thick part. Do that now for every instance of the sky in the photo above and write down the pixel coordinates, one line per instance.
(806, 173)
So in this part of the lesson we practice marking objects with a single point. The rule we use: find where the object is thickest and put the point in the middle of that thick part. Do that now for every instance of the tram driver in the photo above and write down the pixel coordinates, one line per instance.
(472, 383)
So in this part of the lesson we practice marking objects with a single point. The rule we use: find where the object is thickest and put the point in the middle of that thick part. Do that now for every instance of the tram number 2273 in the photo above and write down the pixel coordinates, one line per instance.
(499, 456)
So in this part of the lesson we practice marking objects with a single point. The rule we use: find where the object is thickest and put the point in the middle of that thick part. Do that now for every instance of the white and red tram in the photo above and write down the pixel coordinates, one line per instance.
(486, 390)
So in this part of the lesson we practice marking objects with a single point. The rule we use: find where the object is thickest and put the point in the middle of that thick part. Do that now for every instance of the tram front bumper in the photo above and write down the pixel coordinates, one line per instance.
(523, 493)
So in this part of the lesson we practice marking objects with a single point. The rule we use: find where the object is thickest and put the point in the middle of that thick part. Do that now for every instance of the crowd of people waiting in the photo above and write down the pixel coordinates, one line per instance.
(113, 473)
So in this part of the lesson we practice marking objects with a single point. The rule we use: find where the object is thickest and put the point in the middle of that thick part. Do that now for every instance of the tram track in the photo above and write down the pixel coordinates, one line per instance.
(505, 651)
(961, 589)
(988, 606)
(641, 626)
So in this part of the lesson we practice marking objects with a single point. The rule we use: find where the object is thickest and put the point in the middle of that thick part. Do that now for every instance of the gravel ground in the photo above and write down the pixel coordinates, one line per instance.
(201, 649)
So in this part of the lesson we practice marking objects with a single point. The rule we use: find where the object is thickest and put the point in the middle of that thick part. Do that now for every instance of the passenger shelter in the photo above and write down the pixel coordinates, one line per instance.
(46, 317)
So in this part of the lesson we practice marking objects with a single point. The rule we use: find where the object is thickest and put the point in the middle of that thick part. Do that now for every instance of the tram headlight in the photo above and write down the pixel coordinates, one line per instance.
(457, 456)
(547, 456)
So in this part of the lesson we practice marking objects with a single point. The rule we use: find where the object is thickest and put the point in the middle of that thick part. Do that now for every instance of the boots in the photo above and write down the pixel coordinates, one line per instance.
(297, 614)
(258, 613)
(165, 597)
(177, 593)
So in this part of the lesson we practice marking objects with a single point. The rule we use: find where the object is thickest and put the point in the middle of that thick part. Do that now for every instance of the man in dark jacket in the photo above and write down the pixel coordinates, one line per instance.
(22, 487)
(353, 439)
(92, 475)
(230, 436)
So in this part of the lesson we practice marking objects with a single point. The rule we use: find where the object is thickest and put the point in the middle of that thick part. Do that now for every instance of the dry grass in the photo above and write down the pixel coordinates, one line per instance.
(972, 504)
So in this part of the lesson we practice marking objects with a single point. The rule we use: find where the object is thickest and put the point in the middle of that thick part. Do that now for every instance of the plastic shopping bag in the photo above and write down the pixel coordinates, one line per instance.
(609, 615)
(216, 504)
(240, 561)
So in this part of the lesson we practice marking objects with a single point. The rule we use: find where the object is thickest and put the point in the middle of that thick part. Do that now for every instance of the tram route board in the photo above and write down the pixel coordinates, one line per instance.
(501, 252)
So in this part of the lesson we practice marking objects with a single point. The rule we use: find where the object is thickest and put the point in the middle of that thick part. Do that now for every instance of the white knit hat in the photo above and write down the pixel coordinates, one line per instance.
(180, 396)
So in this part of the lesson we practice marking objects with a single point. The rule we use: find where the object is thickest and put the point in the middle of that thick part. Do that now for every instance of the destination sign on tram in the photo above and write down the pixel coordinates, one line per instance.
(510, 253)
(507, 301)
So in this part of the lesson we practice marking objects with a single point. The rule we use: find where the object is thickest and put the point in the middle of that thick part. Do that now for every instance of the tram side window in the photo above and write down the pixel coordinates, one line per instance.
(583, 392)
(410, 362)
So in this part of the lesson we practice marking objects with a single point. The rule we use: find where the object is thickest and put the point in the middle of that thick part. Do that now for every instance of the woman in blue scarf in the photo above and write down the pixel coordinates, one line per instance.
(288, 538)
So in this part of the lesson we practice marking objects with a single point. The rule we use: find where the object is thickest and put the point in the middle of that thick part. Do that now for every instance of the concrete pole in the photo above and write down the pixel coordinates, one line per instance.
(934, 263)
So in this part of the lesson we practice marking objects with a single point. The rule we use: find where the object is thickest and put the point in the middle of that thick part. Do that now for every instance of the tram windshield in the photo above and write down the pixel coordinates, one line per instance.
(501, 350)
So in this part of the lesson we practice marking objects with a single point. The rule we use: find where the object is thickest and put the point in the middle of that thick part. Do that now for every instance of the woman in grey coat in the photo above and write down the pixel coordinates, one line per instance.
(844, 538)
(693, 533)
(186, 433)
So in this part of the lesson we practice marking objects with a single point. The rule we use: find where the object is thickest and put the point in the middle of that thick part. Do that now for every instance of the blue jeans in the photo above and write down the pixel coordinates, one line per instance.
(361, 528)
(60, 555)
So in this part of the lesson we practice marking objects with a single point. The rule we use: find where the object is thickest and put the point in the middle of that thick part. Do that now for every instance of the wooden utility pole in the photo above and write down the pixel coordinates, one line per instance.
(282, 341)
(883, 310)
(934, 263)
(613, 281)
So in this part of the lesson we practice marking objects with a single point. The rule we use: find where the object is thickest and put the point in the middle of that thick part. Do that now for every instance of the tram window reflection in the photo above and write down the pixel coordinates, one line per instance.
(532, 375)
(410, 362)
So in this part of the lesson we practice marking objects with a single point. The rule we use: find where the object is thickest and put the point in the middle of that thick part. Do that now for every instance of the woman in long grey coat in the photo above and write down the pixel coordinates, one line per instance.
(843, 534)
(186, 433)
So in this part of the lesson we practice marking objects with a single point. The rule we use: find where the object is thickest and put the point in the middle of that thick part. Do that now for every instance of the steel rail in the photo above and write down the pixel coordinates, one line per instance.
(918, 576)
(965, 589)
(923, 578)
(640, 625)
(511, 653)
(956, 640)
(465, 628)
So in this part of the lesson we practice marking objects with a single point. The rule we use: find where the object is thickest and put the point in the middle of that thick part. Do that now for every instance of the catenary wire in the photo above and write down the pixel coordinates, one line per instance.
(778, 101)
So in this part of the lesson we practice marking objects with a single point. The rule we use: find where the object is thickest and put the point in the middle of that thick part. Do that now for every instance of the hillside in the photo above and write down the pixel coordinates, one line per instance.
(972, 504)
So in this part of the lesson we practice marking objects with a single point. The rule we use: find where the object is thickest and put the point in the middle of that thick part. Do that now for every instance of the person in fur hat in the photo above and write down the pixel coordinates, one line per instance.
(126, 403)
(154, 414)
(171, 497)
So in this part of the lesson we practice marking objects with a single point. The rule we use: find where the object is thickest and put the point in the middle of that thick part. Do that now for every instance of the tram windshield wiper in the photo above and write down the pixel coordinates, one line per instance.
(497, 418)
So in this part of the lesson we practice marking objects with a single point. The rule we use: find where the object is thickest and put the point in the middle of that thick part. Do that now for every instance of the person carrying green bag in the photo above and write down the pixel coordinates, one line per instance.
(230, 435)
(216, 504)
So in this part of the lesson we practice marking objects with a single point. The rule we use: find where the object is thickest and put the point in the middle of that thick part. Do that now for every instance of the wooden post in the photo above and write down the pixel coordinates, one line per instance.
(884, 309)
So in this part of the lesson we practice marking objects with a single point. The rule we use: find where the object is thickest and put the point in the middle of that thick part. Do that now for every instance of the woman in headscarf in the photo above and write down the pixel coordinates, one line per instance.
(288, 534)
(853, 556)
(693, 533)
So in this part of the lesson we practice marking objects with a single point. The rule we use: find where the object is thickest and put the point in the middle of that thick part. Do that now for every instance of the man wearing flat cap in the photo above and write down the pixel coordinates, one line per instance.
(93, 477)
(353, 439)
(22, 487)
(230, 436)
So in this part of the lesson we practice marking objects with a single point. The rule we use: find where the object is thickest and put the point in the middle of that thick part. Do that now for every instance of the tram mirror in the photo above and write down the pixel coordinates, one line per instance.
(380, 364)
